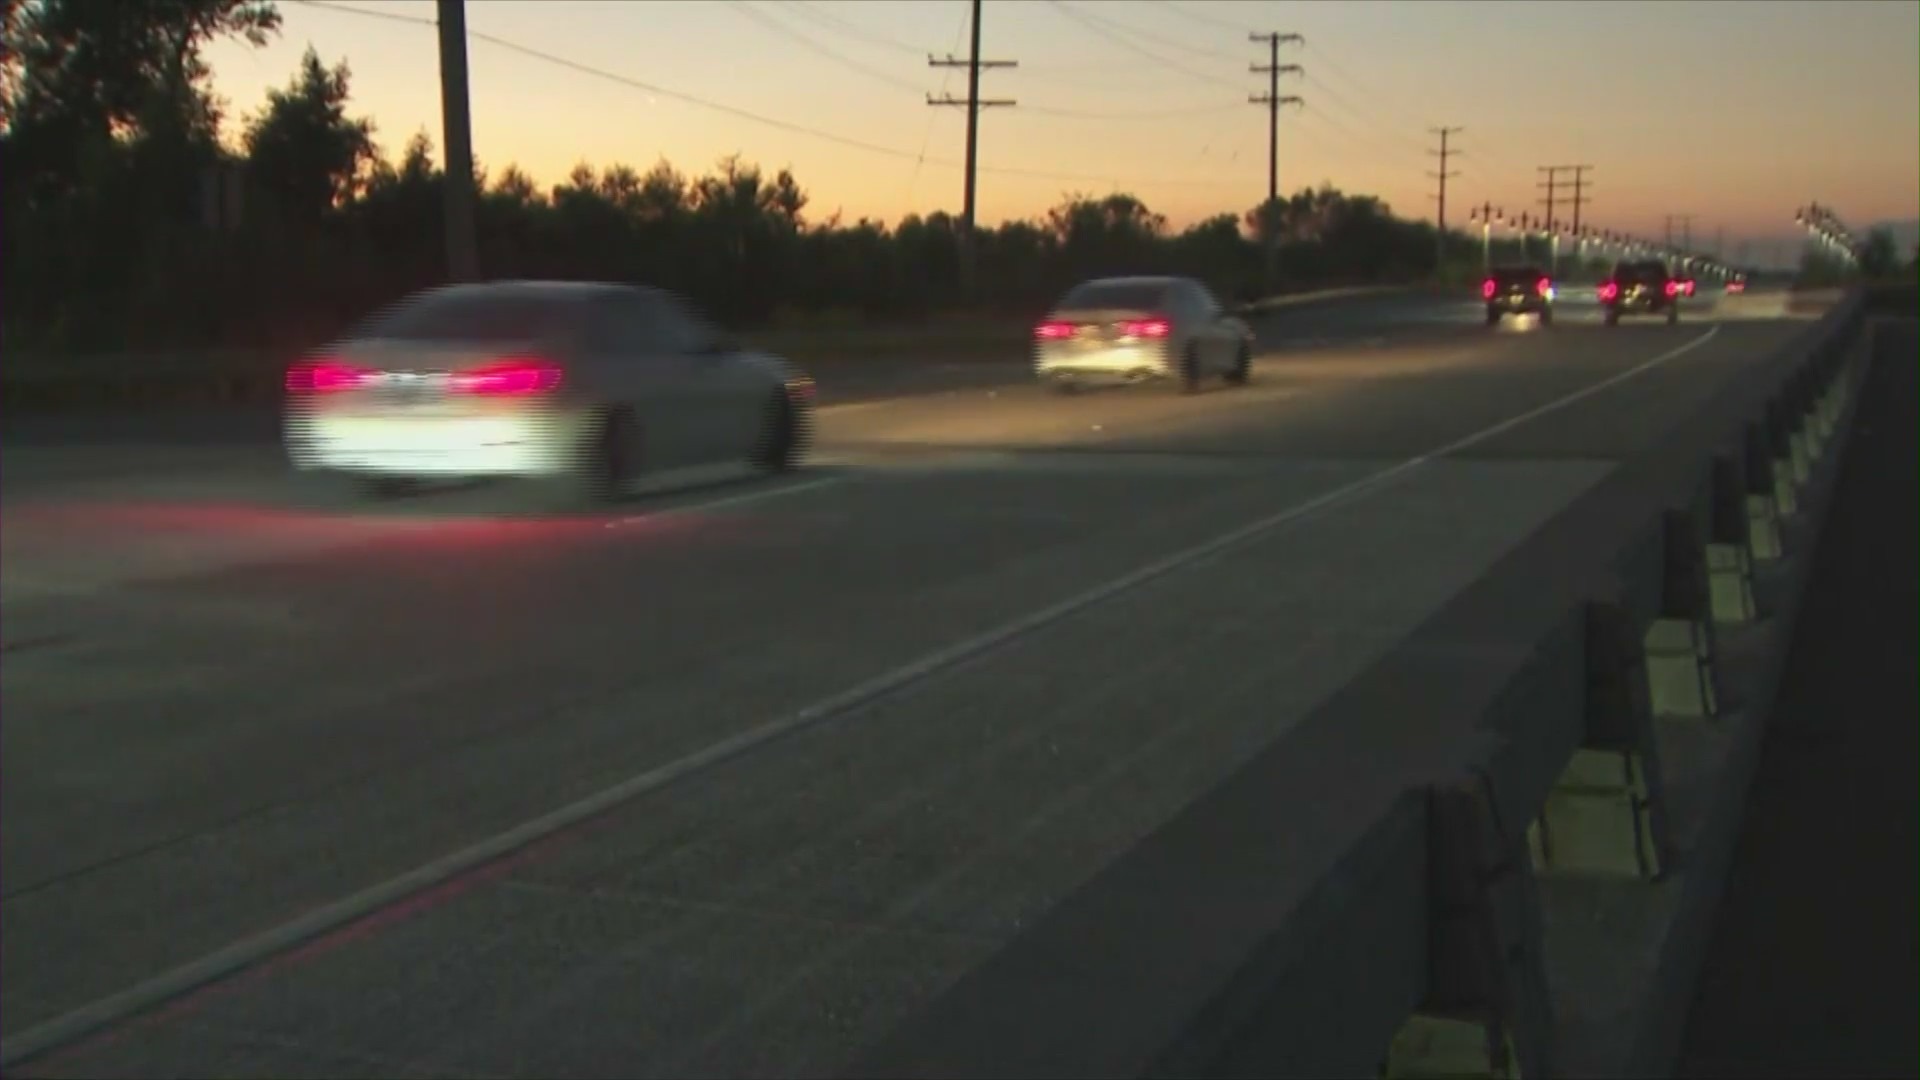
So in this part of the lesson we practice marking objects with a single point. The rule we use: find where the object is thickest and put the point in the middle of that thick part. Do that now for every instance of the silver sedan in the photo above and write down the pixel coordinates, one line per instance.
(1133, 329)
(582, 386)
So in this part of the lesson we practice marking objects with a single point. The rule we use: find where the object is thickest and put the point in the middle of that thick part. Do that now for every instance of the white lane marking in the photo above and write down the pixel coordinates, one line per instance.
(250, 951)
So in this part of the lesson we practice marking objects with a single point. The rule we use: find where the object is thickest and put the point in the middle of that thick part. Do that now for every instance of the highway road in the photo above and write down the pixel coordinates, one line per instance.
(788, 756)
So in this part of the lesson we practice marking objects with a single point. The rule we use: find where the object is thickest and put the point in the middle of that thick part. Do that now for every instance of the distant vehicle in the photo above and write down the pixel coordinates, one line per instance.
(581, 386)
(1737, 283)
(1136, 329)
(1518, 290)
(1640, 287)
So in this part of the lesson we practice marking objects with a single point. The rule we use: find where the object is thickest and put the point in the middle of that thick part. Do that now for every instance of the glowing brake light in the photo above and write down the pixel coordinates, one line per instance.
(513, 375)
(1487, 289)
(1673, 288)
(1053, 331)
(1152, 328)
(1608, 290)
(1544, 287)
(325, 376)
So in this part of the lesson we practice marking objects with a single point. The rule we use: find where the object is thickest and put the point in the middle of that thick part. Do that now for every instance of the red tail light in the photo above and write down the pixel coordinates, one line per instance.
(1673, 288)
(1487, 289)
(512, 375)
(1543, 287)
(1053, 331)
(1154, 328)
(1608, 290)
(325, 376)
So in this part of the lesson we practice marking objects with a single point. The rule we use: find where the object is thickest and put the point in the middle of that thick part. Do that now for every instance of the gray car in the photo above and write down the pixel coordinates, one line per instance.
(1134, 329)
(582, 386)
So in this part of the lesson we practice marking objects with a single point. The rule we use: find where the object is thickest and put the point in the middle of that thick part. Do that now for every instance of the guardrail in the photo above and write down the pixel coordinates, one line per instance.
(1496, 853)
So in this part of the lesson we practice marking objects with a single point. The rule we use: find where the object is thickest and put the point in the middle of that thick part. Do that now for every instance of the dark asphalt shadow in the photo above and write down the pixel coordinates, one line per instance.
(1815, 965)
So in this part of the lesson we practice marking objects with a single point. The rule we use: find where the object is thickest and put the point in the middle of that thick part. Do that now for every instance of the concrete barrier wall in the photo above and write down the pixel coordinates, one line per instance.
(1499, 851)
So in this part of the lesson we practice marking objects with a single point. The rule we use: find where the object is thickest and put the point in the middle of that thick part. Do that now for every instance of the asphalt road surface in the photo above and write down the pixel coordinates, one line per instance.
(859, 725)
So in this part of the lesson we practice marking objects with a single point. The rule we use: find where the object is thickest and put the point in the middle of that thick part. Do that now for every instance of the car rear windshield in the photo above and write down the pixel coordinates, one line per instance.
(1640, 271)
(1516, 275)
(1127, 295)
(467, 316)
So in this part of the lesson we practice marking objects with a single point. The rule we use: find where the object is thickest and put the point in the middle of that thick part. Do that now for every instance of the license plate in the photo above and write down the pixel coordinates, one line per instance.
(411, 388)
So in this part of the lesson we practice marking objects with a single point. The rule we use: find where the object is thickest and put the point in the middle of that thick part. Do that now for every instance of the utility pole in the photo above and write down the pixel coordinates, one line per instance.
(456, 125)
(1273, 99)
(1445, 152)
(974, 104)
(1685, 221)
(1552, 223)
(1580, 198)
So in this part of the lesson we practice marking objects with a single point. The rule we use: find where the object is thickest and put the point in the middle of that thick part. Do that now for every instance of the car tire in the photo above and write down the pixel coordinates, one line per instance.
(1241, 372)
(1190, 371)
(1493, 317)
(1612, 318)
(780, 436)
(609, 461)
(1673, 316)
(1546, 316)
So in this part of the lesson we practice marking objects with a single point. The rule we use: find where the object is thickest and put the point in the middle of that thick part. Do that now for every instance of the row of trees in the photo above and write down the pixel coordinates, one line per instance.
(130, 224)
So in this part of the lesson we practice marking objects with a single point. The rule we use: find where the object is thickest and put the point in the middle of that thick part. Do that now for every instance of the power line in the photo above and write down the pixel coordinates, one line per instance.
(1161, 39)
(746, 114)
(1098, 27)
(741, 7)
(1198, 17)
(851, 29)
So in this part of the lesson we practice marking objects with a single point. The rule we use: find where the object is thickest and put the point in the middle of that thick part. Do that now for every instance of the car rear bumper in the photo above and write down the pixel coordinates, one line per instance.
(1519, 305)
(1110, 363)
(449, 447)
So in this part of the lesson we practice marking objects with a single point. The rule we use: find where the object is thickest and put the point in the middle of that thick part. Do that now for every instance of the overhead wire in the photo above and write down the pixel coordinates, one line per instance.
(746, 9)
(736, 111)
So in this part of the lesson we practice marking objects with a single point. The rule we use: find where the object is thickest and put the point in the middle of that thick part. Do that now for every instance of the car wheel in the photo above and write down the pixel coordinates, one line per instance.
(610, 460)
(1673, 316)
(1613, 318)
(1493, 317)
(1190, 371)
(779, 448)
(1546, 316)
(1242, 371)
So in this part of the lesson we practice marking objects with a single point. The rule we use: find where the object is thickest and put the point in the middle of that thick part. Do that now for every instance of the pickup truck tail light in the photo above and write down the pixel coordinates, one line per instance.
(1673, 288)
(1487, 289)
(1544, 287)
(1608, 290)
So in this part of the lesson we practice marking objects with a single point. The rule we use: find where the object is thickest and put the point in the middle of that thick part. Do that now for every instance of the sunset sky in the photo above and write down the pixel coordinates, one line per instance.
(1734, 112)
